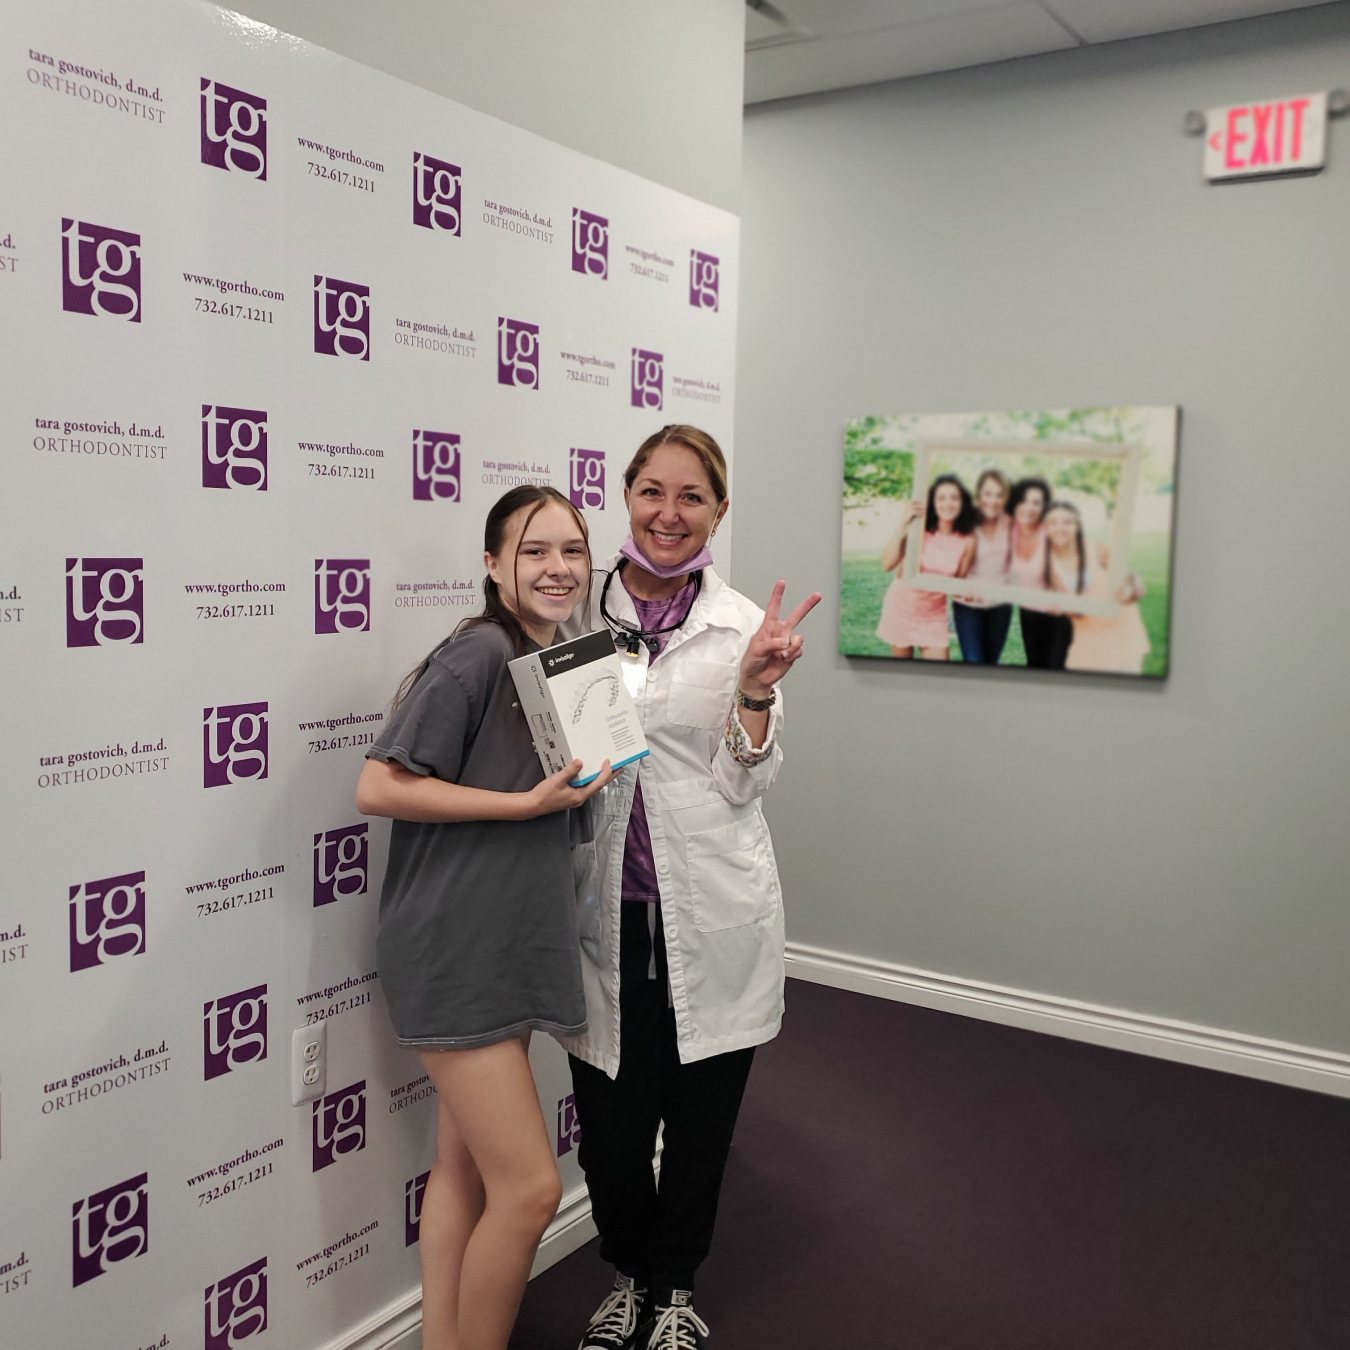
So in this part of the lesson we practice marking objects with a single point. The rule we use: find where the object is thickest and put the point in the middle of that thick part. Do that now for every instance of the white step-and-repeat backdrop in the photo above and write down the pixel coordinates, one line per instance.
(279, 329)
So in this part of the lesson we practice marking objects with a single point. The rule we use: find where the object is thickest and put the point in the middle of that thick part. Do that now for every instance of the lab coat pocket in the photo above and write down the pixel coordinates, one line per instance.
(586, 885)
(701, 693)
(731, 882)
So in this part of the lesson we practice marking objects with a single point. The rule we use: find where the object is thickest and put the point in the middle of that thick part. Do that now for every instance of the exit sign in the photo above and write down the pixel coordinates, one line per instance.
(1281, 135)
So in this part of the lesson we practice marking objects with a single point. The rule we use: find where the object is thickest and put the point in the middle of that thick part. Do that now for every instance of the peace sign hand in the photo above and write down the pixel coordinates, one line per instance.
(775, 646)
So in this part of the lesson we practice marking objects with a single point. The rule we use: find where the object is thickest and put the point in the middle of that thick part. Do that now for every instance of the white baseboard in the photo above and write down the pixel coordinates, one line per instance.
(1185, 1042)
(398, 1326)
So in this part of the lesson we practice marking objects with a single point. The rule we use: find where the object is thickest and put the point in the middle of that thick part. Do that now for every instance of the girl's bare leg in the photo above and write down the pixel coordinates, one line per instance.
(491, 1099)
(451, 1206)
(902, 651)
(936, 653)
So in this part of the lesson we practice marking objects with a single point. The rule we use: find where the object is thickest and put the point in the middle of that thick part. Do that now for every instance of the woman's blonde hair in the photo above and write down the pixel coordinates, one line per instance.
(677, 433)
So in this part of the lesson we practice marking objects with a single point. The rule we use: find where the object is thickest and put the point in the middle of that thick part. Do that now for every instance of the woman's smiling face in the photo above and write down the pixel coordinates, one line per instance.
(947, 501)
(993, 499)
(672, 508)
(1030, 509)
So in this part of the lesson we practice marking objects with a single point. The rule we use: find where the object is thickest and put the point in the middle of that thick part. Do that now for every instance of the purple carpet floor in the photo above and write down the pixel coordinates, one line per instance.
(904, 1179)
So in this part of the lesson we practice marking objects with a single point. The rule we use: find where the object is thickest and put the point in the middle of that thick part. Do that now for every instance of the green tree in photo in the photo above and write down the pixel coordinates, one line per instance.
(872, 474)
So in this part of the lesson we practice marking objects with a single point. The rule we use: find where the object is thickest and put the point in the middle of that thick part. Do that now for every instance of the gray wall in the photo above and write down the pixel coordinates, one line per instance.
(1037, 234)
(652, 87)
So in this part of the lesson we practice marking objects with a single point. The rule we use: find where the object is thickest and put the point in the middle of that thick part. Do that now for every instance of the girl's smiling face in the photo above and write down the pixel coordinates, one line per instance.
(1061, 528)
(543, 568)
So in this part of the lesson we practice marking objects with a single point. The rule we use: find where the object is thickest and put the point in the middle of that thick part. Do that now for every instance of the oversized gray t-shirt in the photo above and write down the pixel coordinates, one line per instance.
(477, 932)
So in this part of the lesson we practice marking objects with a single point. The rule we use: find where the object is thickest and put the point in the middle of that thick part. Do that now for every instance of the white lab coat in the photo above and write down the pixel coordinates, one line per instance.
(721, 907)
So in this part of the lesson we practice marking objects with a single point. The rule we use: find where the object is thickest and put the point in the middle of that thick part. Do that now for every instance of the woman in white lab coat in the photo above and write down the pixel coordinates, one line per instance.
(681, 914)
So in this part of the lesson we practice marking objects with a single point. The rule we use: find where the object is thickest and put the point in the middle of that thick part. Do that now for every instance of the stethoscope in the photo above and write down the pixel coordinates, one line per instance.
(631, 640)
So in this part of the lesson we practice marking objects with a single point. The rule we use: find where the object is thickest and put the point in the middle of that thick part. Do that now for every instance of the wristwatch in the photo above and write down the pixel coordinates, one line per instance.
(744, 700)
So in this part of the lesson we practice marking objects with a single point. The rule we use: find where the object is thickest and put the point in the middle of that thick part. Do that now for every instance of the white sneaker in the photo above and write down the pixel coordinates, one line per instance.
(613, 1323)
(674, 1326)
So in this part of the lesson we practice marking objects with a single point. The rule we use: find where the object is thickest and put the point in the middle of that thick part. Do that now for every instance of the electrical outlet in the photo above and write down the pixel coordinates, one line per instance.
(309, 1063)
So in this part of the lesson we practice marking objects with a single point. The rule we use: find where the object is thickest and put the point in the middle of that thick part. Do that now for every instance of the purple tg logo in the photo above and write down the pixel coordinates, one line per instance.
(107, 920)
(436, 194)
(234, 130)
(234, 744)
(342, 595)
(704, 279)
(234, 447)
(586, 479)
(518, 353)
(105, 601)
(341, 859)
(234, 1031)
(648, 379)
(413, 1191)
(236, 1307)
(569, 1128)
(590, 244)
(436, 466)
(339, 1124)
(341, 318)
(101, 271)
(110, 1226)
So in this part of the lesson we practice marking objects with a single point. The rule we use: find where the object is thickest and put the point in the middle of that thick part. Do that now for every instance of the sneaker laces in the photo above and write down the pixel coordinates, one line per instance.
(672, 1329)
(617, 1315)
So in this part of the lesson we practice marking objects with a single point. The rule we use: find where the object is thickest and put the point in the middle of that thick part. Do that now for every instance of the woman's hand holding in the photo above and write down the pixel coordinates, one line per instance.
(776, 645)
(556, 792)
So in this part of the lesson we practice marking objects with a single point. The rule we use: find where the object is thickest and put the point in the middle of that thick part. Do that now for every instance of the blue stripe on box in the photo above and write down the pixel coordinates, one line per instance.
(632, 759)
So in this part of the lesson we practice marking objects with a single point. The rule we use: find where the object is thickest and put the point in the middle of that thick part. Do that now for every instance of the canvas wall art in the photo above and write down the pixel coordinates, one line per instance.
(1039, 539)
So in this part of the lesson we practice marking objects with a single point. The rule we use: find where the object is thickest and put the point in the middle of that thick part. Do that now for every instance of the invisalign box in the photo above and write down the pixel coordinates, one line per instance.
(574, 698)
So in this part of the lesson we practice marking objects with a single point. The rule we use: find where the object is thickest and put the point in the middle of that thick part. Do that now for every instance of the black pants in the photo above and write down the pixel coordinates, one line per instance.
(657, 1237)
(981, 632)
(1046, 638)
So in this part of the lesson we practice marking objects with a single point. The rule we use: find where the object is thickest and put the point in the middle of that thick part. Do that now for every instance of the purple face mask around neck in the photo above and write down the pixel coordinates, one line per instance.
(629, 549)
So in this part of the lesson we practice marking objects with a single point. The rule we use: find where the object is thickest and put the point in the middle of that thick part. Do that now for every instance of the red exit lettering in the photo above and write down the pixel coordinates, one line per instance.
(1263, 135)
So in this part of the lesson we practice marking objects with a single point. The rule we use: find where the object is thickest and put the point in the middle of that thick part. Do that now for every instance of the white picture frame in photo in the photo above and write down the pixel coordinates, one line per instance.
(930, 453)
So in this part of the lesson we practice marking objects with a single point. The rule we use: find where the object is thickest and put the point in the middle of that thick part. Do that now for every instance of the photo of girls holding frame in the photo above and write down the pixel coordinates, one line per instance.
(982, 625)
(916, 620)
(682, 939)
(477, 938)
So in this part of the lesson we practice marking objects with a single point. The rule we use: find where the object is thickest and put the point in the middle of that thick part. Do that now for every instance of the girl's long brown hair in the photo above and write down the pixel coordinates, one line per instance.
(1079, 544)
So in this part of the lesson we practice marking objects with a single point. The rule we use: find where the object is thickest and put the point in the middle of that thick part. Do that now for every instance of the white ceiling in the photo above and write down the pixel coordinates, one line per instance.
(806, 46)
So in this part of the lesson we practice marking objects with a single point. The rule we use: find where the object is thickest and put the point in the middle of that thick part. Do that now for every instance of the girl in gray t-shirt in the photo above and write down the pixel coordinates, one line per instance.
(477, 942)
